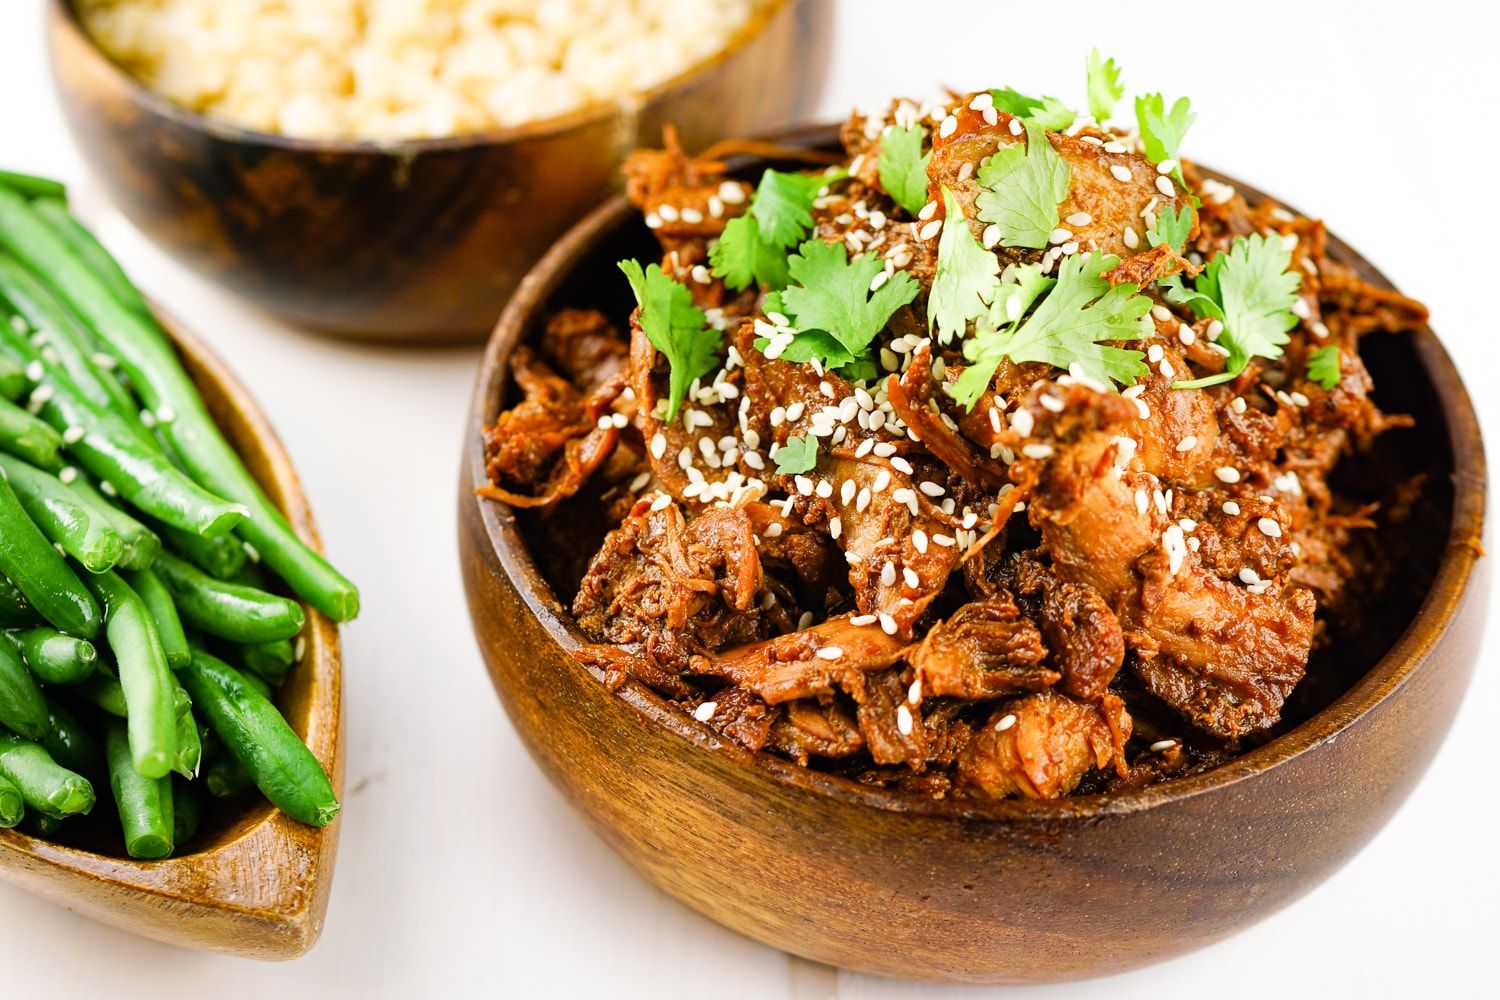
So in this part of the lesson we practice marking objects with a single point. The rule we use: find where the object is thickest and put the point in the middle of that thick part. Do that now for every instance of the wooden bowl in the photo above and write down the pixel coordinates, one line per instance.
(953, 890)
(258, 887)
(409, 241)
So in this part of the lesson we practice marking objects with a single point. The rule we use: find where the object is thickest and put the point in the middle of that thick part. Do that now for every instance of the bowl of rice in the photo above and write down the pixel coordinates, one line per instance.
(390, 169)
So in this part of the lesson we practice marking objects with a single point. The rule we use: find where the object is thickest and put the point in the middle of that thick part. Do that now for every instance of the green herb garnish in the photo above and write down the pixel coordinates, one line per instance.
(799, 454)
(1023, 185)
(1104, 84)
(1162, 131)
(903, 166)
(1324, 368)
(675, 327)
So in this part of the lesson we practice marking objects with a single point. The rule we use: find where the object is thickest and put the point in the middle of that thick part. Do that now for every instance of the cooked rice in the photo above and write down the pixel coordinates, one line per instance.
(400, 69)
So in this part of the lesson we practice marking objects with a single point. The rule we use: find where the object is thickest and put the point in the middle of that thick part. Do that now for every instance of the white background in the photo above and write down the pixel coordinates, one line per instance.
(462, 872)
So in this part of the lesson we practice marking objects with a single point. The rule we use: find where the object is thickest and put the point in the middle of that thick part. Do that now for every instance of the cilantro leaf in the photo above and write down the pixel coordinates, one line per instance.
(1067, 328)
(1162, 130)
(1323, 367)
(1044, 112)
(903, 167)
(1251, 289)
(799, 454)
(742, 257)
(1104, 84)
(753, 247)
(1171, 229)
(782, 205)
(833, 294)
(1023, 185)
(675, 327)
(966, 278)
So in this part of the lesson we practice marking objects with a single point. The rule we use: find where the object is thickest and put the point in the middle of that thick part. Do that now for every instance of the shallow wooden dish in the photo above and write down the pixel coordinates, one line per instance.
(258, 888)
(411, 241)
(963, 891)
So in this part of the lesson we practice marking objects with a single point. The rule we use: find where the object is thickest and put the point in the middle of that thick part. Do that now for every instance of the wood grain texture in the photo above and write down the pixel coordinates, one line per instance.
(962, 891)
(258, 889)
(412, 241)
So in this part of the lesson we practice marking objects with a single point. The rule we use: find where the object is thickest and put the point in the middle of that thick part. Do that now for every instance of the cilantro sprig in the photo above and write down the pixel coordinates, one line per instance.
(675, 327)
(1044, 112)
(966, 279)
(1023, 185)
(1172, 228)
(1071, 326)
(1251, 289)
(1104, 85)
(832, 306)
(1324, 367)
(799, 454)
(753, 247)
(903, 166)
(1162, 130)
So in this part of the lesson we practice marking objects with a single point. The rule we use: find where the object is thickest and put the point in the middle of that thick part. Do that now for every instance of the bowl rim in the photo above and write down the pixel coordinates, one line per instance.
(1449, 591)
(64, 16)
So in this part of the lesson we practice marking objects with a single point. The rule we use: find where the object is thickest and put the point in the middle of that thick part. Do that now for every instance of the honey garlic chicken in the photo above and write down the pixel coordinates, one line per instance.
(1000, 458)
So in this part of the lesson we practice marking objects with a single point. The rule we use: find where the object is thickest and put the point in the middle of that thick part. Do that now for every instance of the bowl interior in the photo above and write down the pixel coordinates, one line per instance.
(1413, 375)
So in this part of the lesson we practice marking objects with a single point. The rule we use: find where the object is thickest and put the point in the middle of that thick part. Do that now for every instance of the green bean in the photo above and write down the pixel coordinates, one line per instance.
(22, 707)
(36, 568)
(55, 326)
(56, 658)
(141, 543)
(189, 747)
(87, 248)
(104, 444)
(13, 380)
(144, 675)
(147, 356)
(158, 600)
(260, 686)
(12, 806)
(227, 610)
(104, 693)
(270, 660)
(221, 556)
(226, 777)
(32, 186)
(84, 531)
(144, 804)
(15, 610)
(47, 787)
(28, 437)
(250, 727)
(187, 812)
(68, 742)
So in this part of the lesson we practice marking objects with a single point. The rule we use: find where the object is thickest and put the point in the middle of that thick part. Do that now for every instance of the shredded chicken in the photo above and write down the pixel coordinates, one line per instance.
(1062, 588)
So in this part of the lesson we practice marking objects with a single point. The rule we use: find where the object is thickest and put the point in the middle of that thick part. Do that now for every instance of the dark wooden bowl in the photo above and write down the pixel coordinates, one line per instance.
(410, 241)
(256, 885)
(967, 891)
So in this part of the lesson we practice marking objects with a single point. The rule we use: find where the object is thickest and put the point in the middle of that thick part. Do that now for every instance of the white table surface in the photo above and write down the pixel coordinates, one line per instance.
(462, 872)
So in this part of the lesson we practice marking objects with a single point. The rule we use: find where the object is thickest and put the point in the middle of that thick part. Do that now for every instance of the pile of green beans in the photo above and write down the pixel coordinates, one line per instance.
(141, 642)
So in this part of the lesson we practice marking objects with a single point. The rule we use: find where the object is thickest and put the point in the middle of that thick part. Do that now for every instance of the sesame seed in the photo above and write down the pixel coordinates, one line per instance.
(983, 99)
(930, 488)
(1249, 576)
(884, 449)
(1231, 508)
(1155, 353)
(1188, 443)
(882, 480)
(830, 653)
(1059, 235)
(1160, 745)
(1141, 501)
(1079, 219)
(1037, 450)
(640, 482)
(1238, 404)
(928, 211)
(73, 435)
(68, 474)
(1121, 173)
(701, 274)
(947, 128)
(794, 412)
(888, 574)
(662, 502)
(618, 420)
(1022, 422)
(705, 711)
(919, 541)
(901, 465)
(731, 193)
(1269, 527)
(887, 624)
(910, 576)
(1005, 723)
(1166, 187)
(861, 620)
(1051, 403)
(1227, 474)
(1131, 239)
(930, 230)
(605, 423)
(991, 236)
